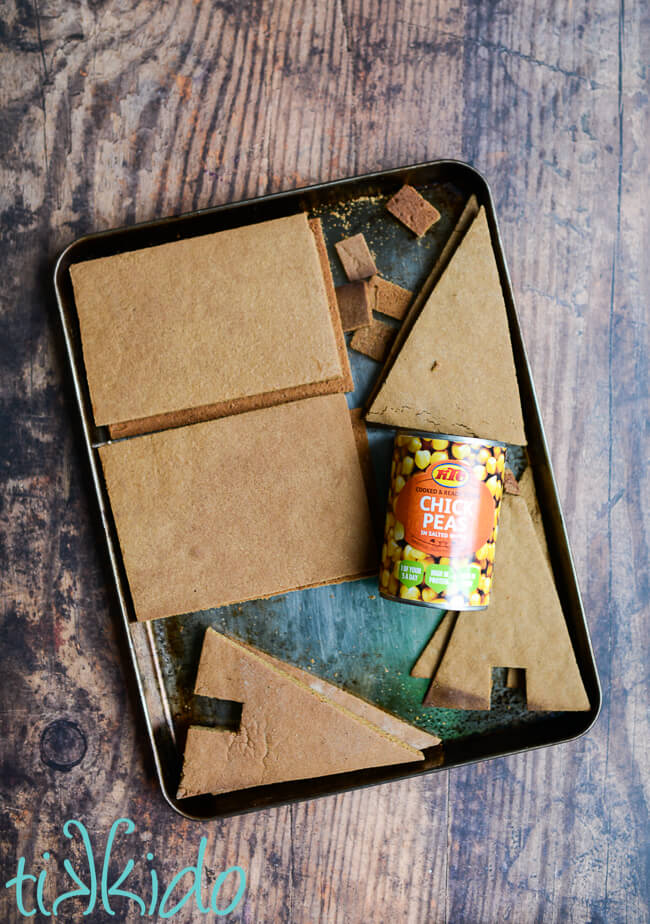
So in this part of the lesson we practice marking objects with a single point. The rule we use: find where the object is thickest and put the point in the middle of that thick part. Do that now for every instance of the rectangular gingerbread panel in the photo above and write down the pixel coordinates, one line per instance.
(240, 508)
(204, 321)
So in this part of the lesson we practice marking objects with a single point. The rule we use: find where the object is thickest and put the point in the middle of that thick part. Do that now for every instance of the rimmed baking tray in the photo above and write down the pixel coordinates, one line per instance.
(344, 633)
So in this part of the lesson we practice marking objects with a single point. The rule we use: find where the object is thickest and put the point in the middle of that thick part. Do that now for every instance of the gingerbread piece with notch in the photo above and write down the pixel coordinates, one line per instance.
(288, 729)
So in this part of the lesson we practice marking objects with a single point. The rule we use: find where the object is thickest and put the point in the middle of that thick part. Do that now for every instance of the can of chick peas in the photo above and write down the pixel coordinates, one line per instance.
(442, 520)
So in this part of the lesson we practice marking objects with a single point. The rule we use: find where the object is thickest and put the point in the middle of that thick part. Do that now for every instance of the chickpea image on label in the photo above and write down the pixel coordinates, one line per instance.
(411, 569)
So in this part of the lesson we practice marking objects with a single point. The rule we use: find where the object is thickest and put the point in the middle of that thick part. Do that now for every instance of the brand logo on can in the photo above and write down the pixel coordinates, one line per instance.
(450, 474)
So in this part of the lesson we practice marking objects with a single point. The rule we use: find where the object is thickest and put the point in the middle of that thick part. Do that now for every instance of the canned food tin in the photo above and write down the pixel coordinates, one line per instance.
(442, 520)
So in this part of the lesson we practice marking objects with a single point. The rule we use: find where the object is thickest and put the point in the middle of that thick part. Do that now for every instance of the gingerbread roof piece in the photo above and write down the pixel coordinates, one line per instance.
(240, 508)
(288, 731)
(524, 627)
(202, 323)
(455, 372)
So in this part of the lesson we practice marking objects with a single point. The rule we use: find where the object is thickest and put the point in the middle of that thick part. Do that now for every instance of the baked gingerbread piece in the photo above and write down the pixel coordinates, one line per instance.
(455, 371)
(292, 727)
(374, 341)
(197, 328)
(510, 483)
(413, 210)
(523, 629)
(389, 298)
(354, 305)
(355, 257)
(224, 511)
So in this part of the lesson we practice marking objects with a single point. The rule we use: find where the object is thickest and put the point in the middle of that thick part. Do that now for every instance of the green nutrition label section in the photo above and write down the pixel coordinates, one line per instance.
(440, 577)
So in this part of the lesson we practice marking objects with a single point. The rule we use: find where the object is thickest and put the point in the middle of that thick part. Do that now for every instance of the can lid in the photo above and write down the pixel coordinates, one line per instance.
(455, 438)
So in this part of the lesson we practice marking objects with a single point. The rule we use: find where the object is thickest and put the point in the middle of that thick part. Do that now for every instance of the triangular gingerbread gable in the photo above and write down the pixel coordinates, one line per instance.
(455, 372)
(288, 731)
(523, 627)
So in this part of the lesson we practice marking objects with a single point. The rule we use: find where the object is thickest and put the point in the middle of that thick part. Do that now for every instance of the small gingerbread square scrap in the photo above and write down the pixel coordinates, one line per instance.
(413, 210)
(389, 298)
(356, 258)
(374, 341)
(354, 305)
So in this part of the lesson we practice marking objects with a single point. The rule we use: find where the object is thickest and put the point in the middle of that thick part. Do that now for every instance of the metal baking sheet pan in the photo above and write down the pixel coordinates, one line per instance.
(345, 633)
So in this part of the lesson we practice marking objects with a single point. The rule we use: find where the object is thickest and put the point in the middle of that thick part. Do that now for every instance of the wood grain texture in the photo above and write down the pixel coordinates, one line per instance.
(117, 111)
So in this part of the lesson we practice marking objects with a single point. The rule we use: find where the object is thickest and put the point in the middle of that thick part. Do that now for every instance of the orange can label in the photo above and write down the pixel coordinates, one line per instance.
(446, 509)
(442, 520)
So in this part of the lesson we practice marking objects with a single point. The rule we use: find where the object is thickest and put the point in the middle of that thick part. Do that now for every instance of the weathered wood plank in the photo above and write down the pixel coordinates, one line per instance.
(627, 780)
(550, 132)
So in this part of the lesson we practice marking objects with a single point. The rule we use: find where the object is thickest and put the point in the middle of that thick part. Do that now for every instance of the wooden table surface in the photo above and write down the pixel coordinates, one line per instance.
(117, 111)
